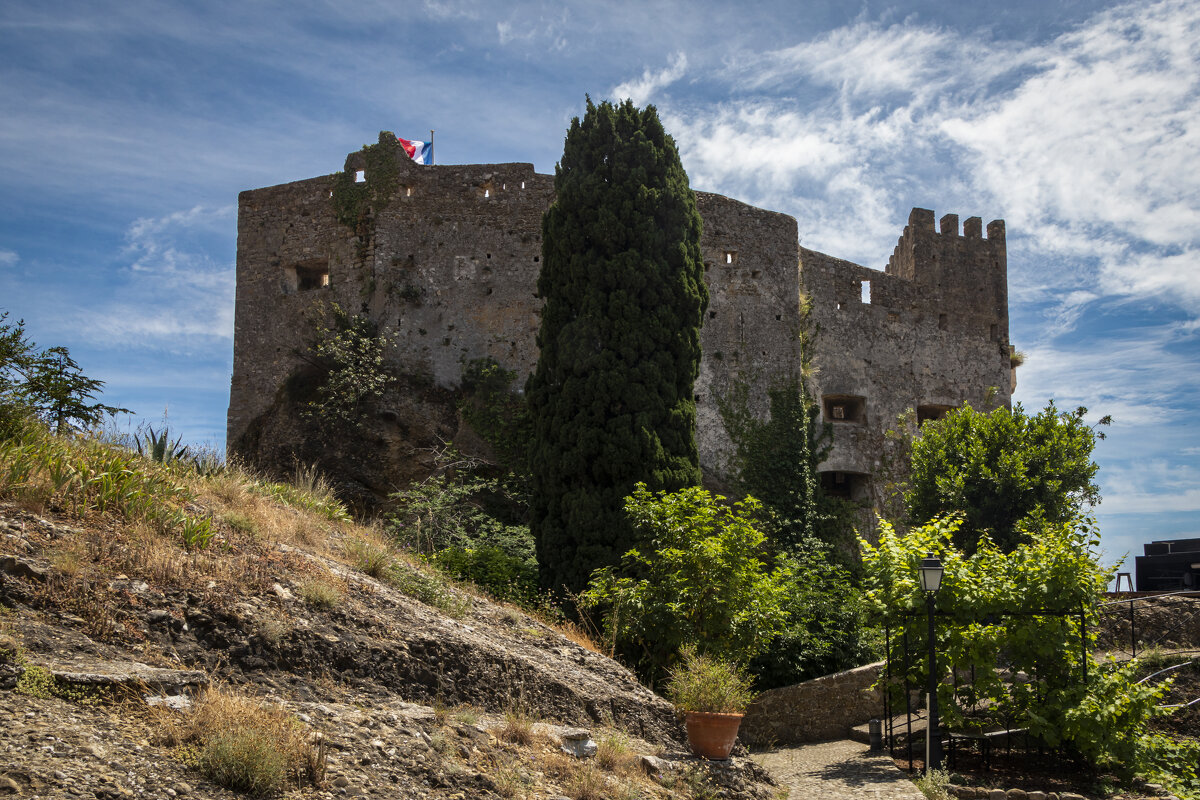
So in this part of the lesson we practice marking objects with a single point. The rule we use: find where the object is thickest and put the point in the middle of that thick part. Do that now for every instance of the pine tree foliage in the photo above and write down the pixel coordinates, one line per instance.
(623, 283)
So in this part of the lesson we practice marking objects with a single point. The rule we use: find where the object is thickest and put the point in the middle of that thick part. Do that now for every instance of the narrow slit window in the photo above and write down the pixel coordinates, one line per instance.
(866, 292)
(943, 322)
(730, 256)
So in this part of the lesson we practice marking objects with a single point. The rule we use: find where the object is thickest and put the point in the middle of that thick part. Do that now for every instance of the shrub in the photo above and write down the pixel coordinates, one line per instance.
(703, 581)
(245, 745)
(504, 576)
(825, 628)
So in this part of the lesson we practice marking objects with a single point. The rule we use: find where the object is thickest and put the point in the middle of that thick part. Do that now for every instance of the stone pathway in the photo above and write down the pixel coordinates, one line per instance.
(837, 770)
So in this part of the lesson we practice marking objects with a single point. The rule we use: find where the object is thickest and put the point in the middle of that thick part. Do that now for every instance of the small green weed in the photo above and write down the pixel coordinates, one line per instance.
(934, 783)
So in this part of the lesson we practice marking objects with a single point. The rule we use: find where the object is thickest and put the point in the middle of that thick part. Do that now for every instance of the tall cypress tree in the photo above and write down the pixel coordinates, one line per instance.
(623, 283)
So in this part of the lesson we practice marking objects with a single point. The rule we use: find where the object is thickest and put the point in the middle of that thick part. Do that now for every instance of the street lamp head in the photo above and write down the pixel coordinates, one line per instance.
(931, 573)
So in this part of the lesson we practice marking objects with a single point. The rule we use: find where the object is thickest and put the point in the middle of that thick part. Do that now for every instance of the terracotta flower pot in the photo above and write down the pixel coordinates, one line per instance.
(712, 735)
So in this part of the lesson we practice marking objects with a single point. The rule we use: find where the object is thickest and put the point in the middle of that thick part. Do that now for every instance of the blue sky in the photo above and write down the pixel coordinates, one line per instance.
(128, 129)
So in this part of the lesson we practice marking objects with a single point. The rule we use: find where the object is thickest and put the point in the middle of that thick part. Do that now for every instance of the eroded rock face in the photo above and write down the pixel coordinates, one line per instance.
(408, 700)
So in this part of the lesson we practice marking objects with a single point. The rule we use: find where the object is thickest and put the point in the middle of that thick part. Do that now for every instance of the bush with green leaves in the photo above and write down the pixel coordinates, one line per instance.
(457, 518)
(703, 580)
(1001, 468)
(504, 576)
(347, 373)
(825, 629)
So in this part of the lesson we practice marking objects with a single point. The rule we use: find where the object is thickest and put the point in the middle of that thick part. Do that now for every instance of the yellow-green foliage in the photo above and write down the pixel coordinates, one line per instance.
(245, 745)
(84, 474)
(1001, 615)
(326, 506)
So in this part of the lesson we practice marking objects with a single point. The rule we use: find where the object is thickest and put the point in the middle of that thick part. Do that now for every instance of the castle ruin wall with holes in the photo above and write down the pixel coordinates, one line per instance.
(449, 265)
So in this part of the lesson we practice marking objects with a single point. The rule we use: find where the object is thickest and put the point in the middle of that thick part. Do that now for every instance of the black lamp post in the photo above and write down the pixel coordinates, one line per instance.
(931, 580)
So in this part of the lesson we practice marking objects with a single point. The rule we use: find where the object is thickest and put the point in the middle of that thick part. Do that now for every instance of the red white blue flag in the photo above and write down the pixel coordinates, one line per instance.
(420, 152)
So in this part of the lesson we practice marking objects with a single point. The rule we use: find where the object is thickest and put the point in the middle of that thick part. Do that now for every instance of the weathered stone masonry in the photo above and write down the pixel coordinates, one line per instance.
(450, 265)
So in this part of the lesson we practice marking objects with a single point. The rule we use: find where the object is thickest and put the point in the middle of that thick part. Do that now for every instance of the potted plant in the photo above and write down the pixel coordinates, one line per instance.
(713, 696)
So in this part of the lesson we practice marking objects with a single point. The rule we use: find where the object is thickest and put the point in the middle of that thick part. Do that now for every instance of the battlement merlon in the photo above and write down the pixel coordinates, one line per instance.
(927, 254)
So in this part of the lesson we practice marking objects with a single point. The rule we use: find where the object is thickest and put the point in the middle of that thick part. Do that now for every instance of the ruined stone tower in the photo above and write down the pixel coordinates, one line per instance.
(448, 256)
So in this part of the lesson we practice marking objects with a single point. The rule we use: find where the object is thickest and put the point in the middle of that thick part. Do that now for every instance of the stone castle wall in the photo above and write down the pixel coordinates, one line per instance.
(450, 266)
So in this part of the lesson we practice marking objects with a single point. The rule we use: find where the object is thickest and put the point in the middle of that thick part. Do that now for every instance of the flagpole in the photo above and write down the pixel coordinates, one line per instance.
(431, 152)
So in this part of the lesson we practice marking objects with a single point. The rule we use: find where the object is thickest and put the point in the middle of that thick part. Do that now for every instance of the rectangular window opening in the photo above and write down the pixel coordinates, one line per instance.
(360, 176)
(995, 333)
(730, 256)
(844, 408)
(943, 322)
(866, 292)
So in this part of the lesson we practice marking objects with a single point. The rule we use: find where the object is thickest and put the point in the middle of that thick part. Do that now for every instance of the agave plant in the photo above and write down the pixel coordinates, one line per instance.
(158, 447)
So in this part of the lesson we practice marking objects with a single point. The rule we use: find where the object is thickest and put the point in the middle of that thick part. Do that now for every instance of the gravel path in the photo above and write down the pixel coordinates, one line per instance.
(837, 770)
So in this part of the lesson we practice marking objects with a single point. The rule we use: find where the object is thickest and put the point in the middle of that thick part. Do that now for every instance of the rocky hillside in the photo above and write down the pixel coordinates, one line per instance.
(133, 666)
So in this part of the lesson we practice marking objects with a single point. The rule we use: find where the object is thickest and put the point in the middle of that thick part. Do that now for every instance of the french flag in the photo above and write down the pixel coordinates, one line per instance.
(420, 152)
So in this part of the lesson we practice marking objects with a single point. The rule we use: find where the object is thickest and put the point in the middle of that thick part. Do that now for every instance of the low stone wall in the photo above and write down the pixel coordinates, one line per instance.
(1171, 622)
(813, 711)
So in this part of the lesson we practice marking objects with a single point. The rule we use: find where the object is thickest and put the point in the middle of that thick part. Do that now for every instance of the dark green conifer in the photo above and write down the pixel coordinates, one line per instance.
(623, 283)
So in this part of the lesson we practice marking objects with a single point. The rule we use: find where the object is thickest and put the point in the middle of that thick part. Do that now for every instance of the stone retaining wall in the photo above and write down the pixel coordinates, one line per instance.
(813, 711)
(1171, 622)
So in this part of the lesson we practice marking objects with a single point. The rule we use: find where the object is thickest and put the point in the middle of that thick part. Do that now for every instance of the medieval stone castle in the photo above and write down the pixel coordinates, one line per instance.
(450, 263)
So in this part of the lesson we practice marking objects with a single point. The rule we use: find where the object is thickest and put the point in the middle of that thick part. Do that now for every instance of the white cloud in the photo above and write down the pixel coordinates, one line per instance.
(172, 289)
(1151, 487)
(8, 258)
(641, 90)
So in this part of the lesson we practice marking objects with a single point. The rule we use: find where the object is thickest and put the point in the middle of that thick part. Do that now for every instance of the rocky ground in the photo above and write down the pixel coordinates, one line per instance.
(454, 697)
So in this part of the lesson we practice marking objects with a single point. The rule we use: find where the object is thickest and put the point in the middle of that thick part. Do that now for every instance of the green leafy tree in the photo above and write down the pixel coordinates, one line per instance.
(1020, 623)
(47, 384)
(703, 580)
(1001, 468)
(623, 283)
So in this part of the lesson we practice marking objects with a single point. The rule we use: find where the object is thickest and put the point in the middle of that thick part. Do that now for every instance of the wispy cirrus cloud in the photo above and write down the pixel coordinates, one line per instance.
(641, 90)
(171, 290)
(8, 258)
(1076, 141)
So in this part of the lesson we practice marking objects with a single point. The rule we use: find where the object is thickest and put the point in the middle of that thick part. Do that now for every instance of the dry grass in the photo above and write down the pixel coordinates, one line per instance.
(614, 753)
(322, 593)
(577, 634)
(244, 744)
(517, 728)
(586, 782)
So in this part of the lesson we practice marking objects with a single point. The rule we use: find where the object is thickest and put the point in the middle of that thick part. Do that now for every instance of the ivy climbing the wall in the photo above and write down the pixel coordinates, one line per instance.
(357, 202)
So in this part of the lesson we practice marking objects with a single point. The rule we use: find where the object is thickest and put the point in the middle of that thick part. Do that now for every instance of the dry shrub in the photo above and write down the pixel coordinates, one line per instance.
(577, 634)
(507, 775)
(517, 728)
(246, 745)
(586, 782)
